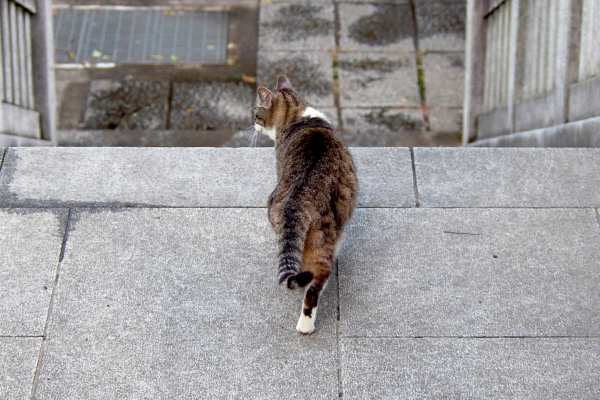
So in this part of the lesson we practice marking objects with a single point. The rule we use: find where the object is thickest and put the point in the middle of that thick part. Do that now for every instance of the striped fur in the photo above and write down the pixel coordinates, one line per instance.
(315, 194)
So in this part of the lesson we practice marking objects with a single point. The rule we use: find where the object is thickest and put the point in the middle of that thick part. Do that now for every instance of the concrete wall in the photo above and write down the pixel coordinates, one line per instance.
(539, 70)
(27, 99)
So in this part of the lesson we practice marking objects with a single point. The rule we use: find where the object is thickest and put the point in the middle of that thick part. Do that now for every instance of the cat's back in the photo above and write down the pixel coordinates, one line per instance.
(312, 147)
(313, 159)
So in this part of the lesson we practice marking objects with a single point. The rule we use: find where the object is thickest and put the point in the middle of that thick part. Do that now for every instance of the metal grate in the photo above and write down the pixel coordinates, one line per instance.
(140, 36)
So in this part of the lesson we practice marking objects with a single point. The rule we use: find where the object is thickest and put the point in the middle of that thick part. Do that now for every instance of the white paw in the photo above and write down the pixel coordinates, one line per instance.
(306, 325)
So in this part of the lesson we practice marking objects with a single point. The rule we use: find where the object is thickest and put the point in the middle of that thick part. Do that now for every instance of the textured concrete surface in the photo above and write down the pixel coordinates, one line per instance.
(127, 105)
(383, 127)
(441, 24)
(376, 27)
(297, 26)
(30, 244)
(583, 99)
(378, 80)
(580, 134)
(508, 177)
(211, 106)
(174, 177)
(444, 79)
(522, 272)
(446, 120)
(494, 368)
(18, 357)
(186, 310)
(177, 177)
(385, 177)
(488, 298)
(309, 72)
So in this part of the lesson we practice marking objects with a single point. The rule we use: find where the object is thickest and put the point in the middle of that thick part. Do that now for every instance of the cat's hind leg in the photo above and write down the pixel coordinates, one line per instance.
(321, 269)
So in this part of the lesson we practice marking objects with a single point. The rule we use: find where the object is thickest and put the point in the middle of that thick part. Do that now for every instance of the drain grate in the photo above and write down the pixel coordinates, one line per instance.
(140, 36)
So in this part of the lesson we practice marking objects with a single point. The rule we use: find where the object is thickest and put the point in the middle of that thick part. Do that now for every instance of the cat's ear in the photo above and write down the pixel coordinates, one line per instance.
(283, 83)
(265, 97)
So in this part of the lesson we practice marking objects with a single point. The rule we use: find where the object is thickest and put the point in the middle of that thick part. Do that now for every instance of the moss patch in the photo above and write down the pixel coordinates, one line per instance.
(390, 23)
(299, 20)
(305, 75)
(128, 105)
(369, 64)
(394, 121)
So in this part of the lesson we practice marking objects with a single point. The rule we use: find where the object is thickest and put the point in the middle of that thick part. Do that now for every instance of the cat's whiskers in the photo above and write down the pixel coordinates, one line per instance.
(250, 134)
(254, 138)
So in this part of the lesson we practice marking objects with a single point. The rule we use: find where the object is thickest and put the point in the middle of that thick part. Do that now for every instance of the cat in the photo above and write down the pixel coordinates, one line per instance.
(315, 194)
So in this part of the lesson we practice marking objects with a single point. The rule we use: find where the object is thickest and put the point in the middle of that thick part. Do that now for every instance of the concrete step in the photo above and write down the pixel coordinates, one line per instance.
(162, 138)
(466, 273)
(244, 177)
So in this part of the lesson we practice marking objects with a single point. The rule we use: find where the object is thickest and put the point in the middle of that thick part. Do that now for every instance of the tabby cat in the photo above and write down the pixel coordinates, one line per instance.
(315, 194)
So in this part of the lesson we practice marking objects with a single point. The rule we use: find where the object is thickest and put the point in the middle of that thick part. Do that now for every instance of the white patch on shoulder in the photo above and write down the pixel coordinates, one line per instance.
(261, 129)
(310, 112)
(306, 324)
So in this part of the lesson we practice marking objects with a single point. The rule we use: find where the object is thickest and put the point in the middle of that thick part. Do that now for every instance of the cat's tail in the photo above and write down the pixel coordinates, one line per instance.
(291, 246)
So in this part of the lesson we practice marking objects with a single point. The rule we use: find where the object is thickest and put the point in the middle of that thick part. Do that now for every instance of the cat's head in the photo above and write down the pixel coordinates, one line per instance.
(275, 110)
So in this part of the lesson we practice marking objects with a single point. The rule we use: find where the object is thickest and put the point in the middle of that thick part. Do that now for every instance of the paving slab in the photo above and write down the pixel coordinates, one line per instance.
(30, 244)
(441, 24)
(508, 177)
(383, 127)
(144, 138)
(175, 177)
(181, 303)
(297, 25)
(193, 177)
(18, 357)
(376, 27)
(211, 106)
(444, 79)
(442, 119)
(310, 73)
(378, 79)
(127, 105)
(470, 368)
(376, 169)
(471, 273)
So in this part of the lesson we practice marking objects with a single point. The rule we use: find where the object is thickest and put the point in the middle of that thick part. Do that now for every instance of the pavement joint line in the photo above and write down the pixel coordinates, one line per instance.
(169, 107)
(472, 337)
(400, 107)
(389, 52)
(414, 172)
(420, 67)
(2, 160)
(336, 74)
(117, 207)
(79, 206)
(38, 367)
(64, 241)
(21, 337)
(337, 332)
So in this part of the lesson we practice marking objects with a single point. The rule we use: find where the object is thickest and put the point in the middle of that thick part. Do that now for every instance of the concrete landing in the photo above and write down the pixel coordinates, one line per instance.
(150, 273)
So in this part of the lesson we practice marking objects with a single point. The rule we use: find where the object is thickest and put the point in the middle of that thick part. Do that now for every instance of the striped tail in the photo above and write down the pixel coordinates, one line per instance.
(291, 246)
